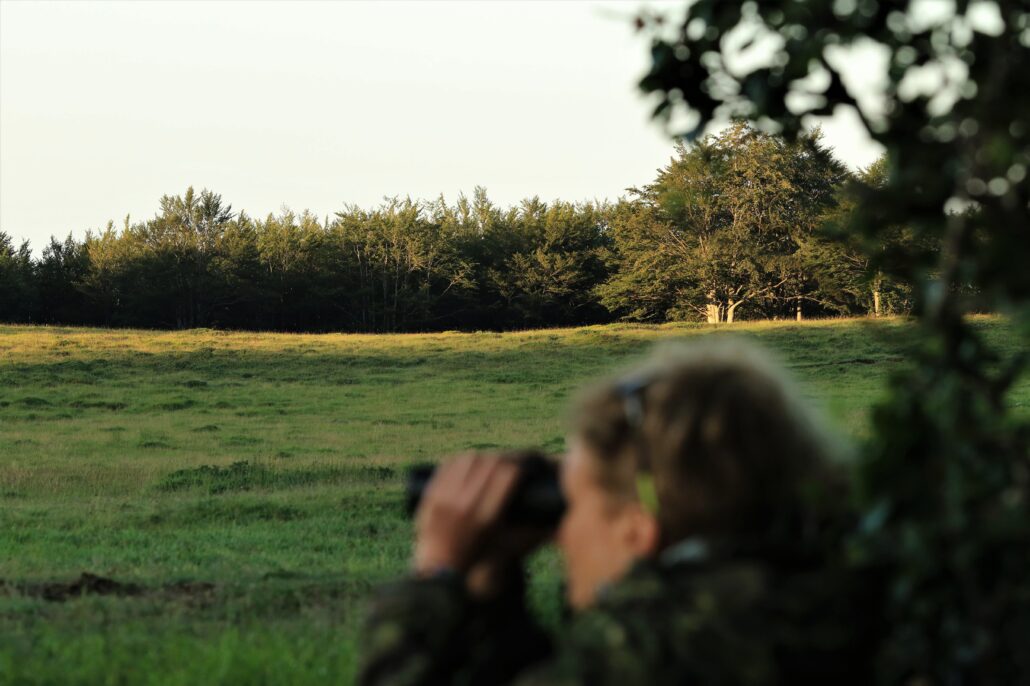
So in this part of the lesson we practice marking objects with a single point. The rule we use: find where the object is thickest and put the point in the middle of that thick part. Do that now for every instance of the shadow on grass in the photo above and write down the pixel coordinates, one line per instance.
(218, 511)
(244, 476)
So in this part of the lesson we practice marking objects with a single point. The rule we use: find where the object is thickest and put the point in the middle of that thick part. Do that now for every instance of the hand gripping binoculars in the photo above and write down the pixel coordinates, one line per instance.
(537, 500)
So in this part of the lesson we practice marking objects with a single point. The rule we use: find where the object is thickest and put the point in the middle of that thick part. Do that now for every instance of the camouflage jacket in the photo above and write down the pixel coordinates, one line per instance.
(687, 617)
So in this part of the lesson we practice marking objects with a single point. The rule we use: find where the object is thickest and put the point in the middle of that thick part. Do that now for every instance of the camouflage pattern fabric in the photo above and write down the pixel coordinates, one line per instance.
(688, 617)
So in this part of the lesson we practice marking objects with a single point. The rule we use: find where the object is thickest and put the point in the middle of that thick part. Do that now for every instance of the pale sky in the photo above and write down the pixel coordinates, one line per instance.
(105, 107)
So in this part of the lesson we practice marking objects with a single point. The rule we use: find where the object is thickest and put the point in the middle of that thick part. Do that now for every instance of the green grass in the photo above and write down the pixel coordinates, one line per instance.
(246, 488)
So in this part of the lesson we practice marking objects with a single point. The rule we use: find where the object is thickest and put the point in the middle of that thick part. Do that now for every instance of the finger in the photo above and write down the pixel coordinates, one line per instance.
(449, 477)
(497, 490)
(445, 486)
(476, 481)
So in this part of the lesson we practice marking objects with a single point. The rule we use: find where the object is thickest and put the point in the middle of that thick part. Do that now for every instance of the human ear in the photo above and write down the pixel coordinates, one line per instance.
(642, 532)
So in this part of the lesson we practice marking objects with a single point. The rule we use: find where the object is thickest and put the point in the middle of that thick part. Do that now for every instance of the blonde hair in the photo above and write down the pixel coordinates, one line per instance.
(730, 444)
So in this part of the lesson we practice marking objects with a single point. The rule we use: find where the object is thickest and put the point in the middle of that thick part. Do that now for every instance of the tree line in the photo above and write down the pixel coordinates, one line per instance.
(740, 225)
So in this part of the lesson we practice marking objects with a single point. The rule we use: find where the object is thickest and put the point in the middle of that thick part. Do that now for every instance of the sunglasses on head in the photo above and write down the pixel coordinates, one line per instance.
(632, 393)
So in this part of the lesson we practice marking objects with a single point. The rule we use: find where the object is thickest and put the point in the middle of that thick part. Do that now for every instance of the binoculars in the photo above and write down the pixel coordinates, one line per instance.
(537, 500)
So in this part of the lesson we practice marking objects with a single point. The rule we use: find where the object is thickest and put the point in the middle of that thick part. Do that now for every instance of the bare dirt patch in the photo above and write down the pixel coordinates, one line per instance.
(92, 584)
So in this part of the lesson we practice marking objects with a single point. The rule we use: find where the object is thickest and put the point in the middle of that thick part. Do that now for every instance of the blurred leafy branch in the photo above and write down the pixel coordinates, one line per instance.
(943, 483)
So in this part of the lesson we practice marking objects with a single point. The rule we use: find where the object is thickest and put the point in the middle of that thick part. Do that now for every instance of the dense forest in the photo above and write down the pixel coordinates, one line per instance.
(739, 225)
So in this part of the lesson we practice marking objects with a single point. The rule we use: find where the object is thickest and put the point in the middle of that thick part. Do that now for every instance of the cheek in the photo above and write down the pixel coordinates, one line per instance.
(580, 533)
(585, 540)
(571, 534)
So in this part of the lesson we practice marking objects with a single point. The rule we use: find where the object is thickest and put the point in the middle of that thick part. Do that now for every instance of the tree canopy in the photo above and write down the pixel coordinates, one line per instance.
(725, 227)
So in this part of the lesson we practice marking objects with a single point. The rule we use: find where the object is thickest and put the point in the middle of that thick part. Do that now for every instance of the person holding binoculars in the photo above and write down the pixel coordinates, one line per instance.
(698, 518)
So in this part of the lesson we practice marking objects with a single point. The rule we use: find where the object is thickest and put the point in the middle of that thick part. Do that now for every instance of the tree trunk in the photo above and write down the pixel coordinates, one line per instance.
(730, 310)
(877, 302)
(797, 310)
(712, 309)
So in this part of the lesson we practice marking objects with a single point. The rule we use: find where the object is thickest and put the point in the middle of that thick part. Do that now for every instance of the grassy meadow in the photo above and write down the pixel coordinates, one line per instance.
(237, 494)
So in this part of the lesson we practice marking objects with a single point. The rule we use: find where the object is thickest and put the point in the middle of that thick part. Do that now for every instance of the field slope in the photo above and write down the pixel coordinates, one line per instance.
(211, 507)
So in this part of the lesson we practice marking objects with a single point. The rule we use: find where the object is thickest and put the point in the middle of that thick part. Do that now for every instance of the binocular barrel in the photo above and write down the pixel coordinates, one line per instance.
(537, 500)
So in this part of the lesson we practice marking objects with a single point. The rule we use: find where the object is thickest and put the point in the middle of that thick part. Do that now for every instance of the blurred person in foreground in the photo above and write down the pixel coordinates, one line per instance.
(701, 544)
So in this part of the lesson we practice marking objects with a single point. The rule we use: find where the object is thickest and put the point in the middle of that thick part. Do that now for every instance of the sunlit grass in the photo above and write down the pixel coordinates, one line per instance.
(270, 466)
